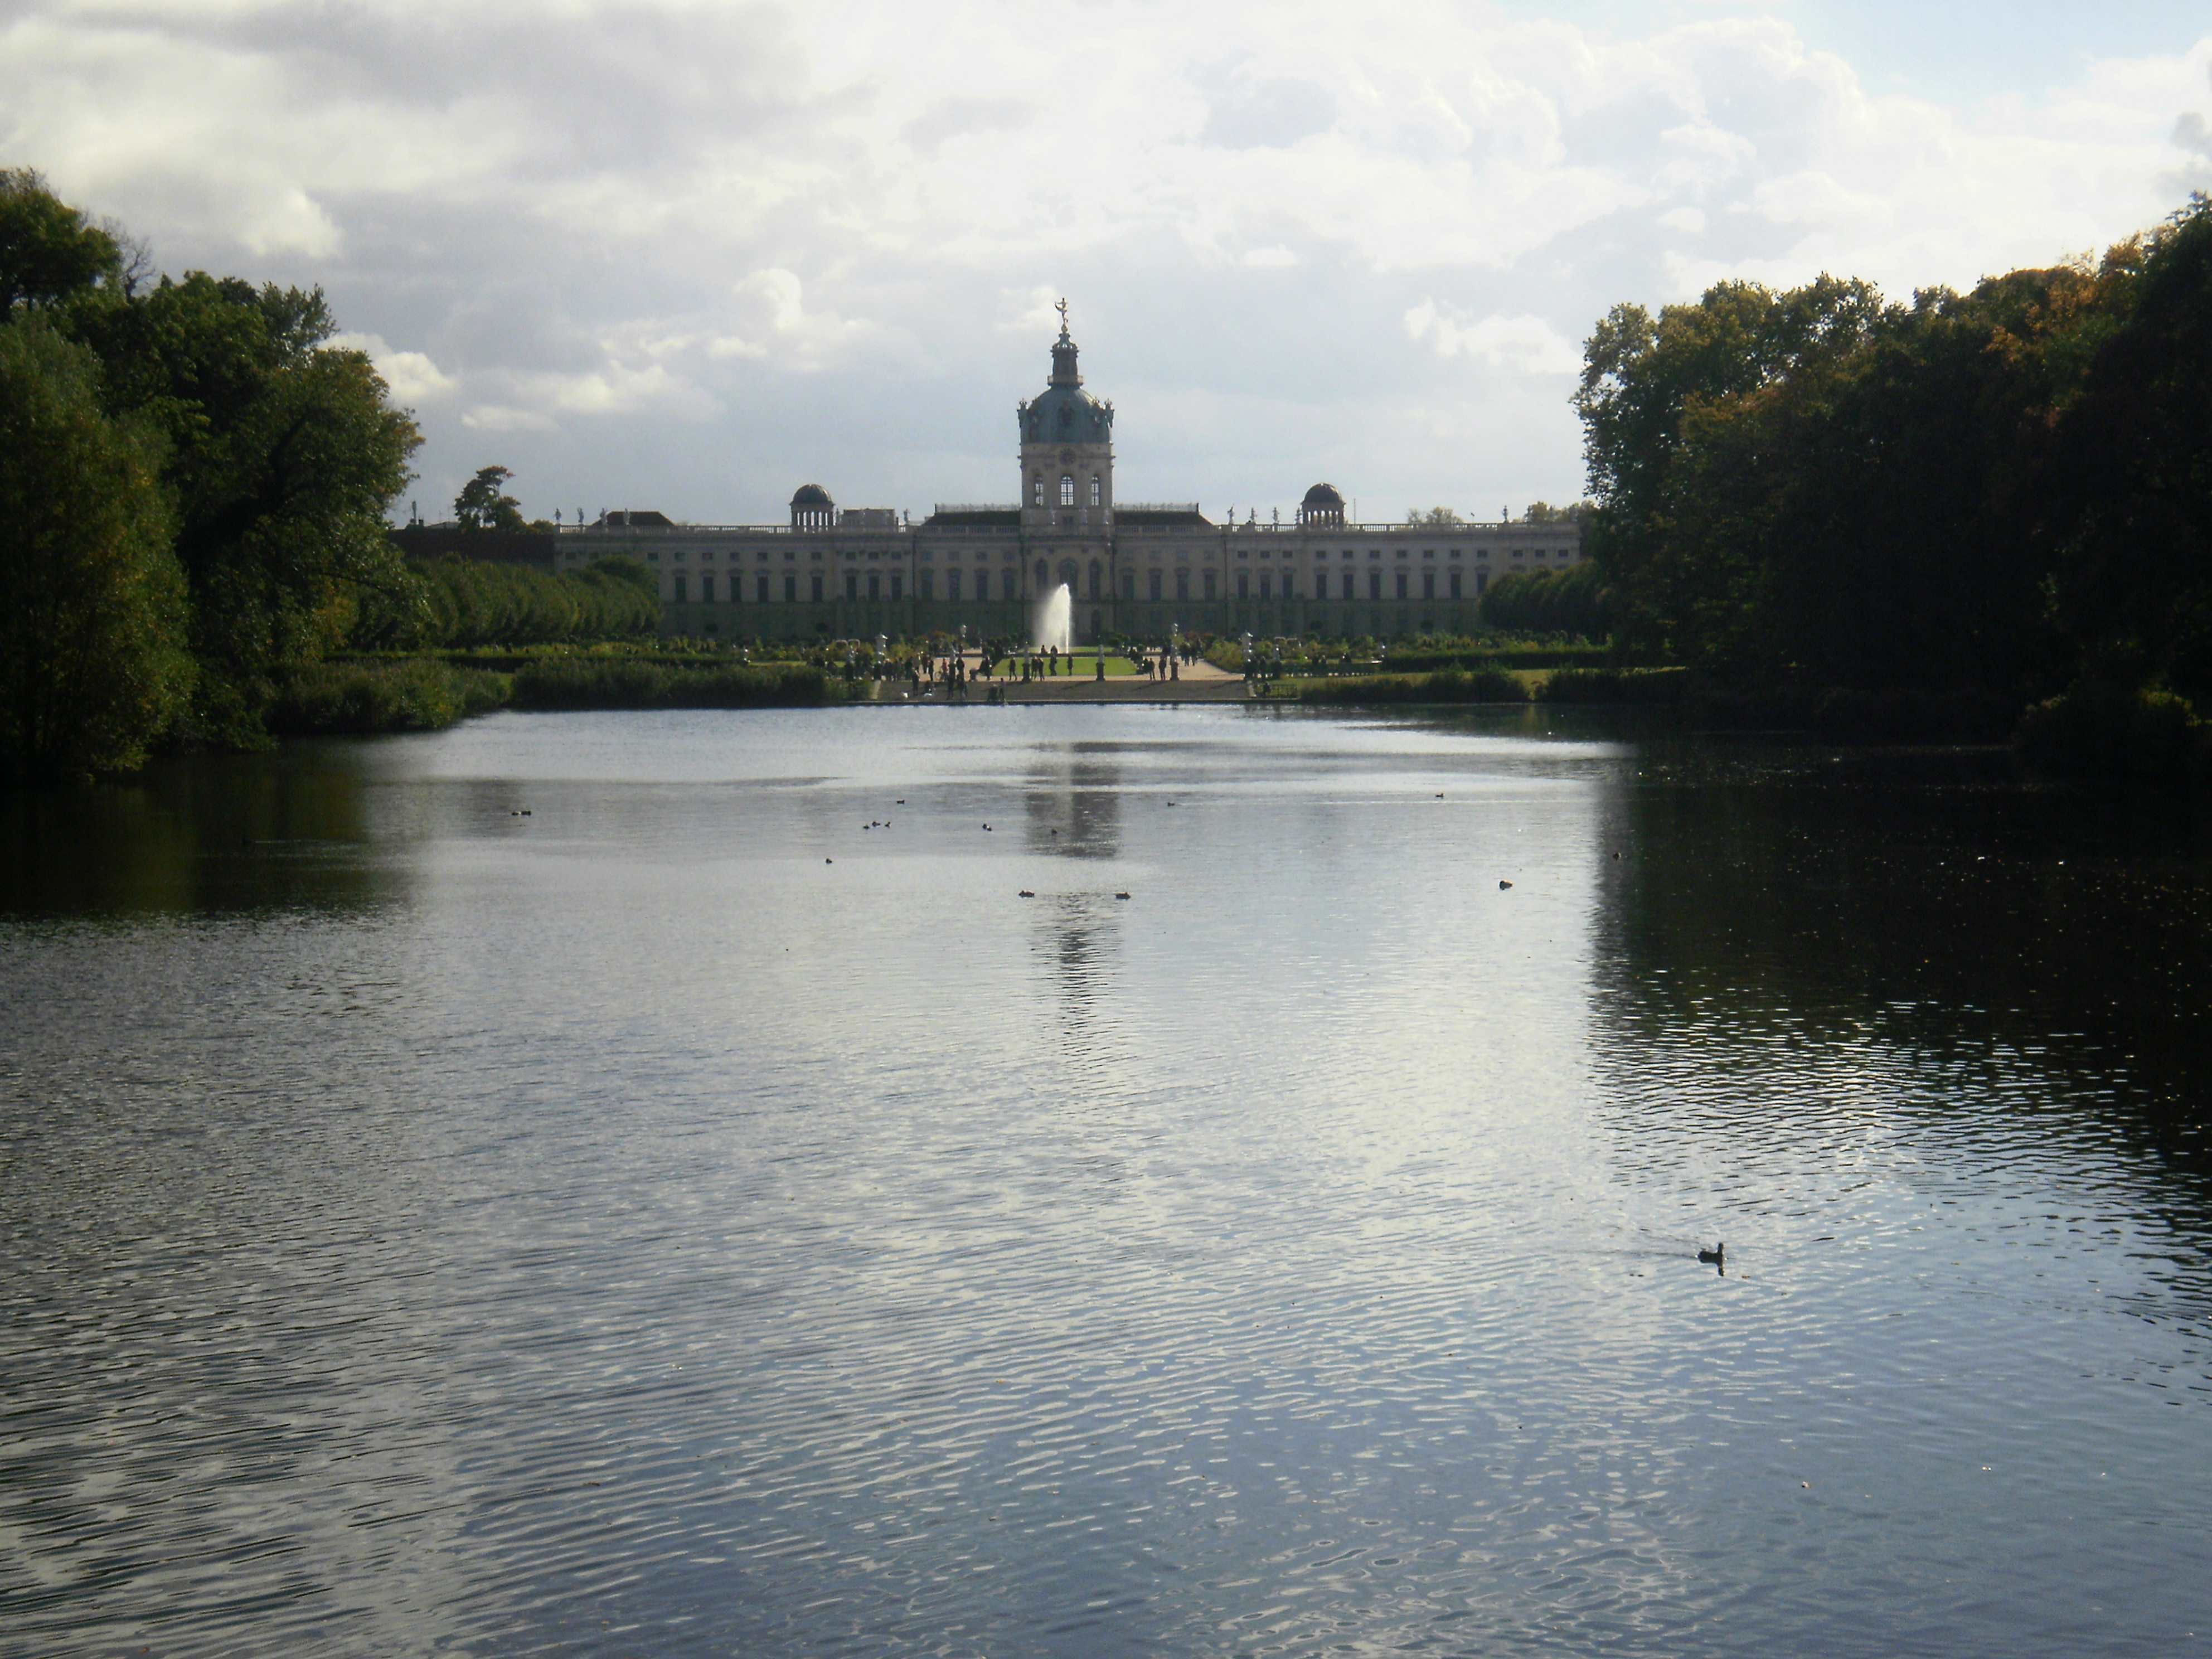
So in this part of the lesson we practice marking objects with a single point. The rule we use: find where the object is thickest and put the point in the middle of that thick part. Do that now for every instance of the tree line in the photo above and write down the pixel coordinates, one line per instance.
(461, 603)
(2001, 497)
(192, 490)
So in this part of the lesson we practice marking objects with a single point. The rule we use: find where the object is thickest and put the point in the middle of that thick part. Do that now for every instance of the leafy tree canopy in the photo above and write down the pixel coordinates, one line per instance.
(482, 506)
(93, 666)
(49, 250)
(283, 454)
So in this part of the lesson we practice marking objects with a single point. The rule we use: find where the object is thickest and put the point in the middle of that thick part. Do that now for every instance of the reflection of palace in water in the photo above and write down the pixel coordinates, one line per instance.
(1136, 568)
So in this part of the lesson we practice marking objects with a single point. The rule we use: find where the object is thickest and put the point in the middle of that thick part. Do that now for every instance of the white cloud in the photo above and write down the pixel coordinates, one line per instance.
(498, 418)
(1526, 343)
(667, 232)
(413, 378)
(776, 323)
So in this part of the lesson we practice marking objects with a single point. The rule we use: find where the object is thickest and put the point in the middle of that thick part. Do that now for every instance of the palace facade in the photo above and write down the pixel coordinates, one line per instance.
(1139, 569)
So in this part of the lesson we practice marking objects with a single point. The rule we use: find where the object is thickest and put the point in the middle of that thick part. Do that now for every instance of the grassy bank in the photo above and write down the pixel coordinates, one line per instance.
(429, 694)
(1445, 685)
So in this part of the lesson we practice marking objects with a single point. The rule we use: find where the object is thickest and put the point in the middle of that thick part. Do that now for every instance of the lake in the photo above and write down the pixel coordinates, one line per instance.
(656, 1184)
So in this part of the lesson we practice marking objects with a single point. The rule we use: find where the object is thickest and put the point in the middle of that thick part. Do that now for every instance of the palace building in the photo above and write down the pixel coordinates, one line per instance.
(1138, 569)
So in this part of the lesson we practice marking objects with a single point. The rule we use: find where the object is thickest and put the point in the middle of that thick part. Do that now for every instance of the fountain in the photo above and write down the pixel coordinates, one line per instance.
(1055, 621)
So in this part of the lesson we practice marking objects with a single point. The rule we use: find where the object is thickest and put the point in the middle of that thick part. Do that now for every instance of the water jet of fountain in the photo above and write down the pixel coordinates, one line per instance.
(1055, 621)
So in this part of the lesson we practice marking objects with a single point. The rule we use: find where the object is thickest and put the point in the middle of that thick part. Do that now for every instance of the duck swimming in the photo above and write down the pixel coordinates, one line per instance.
(1717, 1255)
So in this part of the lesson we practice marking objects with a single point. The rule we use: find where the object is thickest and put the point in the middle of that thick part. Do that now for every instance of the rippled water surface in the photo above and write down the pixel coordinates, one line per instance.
(569, 1185)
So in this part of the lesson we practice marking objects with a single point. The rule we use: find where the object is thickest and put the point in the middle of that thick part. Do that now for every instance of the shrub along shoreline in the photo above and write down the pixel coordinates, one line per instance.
(427, 693)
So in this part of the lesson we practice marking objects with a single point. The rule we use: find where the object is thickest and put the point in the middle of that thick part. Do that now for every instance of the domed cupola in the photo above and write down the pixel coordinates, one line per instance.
(1322, 505)
(1067, 448)
(1064, 413)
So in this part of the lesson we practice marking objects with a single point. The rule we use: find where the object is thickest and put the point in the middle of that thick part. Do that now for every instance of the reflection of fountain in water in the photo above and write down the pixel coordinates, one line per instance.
(1053, 623)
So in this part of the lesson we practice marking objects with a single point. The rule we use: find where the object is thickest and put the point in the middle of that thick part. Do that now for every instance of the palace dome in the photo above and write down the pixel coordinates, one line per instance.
(811, 495)
(1066, 414)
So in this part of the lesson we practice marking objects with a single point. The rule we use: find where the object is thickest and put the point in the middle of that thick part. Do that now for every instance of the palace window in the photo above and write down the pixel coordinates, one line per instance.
(1096, 498)
(875, 585)
(952, 584)
(678, 579)
(1129, 585)
(1097, 579)
(818, 587)
(707, 586)
(1374, 583)
(1067, 490)
(1401, 584)
(1182, 584)
(760, 590)
(790, 588)
(1347, 583)
(1243, 584)
(898, 584)
(1009, 585)
(1428, 583)
(851, 584)
(1266, 584)
(1153, 582)
(1455, 584)
(1036, 490)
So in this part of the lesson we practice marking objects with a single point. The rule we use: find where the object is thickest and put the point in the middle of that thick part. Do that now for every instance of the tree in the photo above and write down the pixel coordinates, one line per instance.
(1434, 515)
(49, 252)
(480, 506)
(93, 666)
(2133, 587)
(283, 454)
(1661, 400)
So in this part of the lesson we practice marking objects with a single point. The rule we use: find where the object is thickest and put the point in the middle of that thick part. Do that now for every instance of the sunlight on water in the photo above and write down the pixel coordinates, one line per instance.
(1097, 1180)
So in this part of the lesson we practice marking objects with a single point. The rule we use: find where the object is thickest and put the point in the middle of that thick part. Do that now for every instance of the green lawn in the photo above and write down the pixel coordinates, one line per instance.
(1084, 669)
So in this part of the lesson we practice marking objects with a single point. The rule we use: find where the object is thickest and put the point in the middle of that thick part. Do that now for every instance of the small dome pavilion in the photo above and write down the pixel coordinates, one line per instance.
(1322, 507)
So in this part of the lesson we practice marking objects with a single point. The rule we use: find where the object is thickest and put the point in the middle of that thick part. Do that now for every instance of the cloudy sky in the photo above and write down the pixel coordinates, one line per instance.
(688, 254)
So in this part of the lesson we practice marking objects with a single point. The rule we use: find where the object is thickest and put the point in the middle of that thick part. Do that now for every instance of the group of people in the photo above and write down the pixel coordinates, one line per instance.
(951, 672)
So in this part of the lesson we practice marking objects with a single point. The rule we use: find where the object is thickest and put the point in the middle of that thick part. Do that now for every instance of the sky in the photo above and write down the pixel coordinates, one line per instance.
(688, 255)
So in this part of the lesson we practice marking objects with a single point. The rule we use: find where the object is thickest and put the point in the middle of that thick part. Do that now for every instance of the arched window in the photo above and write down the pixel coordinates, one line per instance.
(1043, 575)
(1067, 490)
(1097, 578)
(1096, 498)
